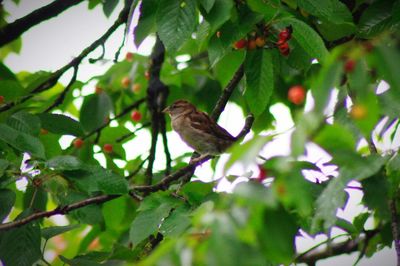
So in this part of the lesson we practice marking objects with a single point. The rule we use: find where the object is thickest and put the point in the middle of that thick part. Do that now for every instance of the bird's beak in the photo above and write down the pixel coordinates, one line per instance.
(166, 110)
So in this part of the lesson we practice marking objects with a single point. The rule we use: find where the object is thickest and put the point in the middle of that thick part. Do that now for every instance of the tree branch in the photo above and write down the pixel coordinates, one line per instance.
(52, 80)
(226, 93)
(395, 228)
(61, 97)
(336, 249)
(157, 93)
(13, 30)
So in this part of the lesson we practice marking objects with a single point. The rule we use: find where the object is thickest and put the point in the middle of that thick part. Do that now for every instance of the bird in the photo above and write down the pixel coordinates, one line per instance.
(198, 130)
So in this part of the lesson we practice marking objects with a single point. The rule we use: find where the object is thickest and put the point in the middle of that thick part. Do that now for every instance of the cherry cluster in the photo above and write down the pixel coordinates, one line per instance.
(284, 36)
(260, 40)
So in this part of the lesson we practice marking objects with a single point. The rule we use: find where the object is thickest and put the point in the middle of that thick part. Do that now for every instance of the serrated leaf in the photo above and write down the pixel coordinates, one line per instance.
(334, 138)
(61, 124)
(7, 200)
(147, 20)
(95, 110)
(109, 6)
(330, 10)
(219, 14)
(246, 153)
(307, 38)
(11, 90)
(21, 246)
(21, 141)
(65, 163)
(25, 122)
(176, 21)
(3, 166)
(52, 231)
(176, 223)
(207, 4)
(147, 223)
(375, 19)
(333, 196)
(258, 68)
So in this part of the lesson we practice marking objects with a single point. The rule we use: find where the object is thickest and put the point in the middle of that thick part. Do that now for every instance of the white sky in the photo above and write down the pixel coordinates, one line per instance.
(54, 43)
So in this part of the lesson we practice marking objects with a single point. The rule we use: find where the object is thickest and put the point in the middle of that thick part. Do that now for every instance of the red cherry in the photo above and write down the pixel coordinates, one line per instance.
(78, 143)
(44, 131)
(284, 35)
(136, 116)
(125, 81)
(129, 57)
(358, 112)
(108, 148)
(1, 99)
(262, 174)
(349, 66)
(242, 43)
(284, 49)
(297, 94)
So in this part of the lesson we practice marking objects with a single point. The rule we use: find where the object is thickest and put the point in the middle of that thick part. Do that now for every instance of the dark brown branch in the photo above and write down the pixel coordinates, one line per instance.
(59, 210)
(61, 97)
(336, 249)
(395, 228)
(226, 93)
(168, 159)
(13, 30)
(52, 80)
(157, 93)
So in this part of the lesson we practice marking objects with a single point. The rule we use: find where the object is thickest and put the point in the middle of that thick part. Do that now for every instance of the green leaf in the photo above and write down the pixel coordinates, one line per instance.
(386, 60)
(95, 179)
(219, 14)
(35, 198)
(333, 196)
(246, 152)
(331, 10)
(147, 20)
(376, 195)
(7, 200)
(20, 246)
(176, 223)
(114, 212)
(79, 262)
(176, 21)
(21, 141)
(196, 191)
(61, 124)
(207, 4)
(95, 110)
(375, 19)
(25, 122)
(307, 38)
(109, 6)
(258, 68)
(11, 90)
(335, 138)
(6, 73)
(3, 166)
(65, 163)
(90, 214)
(255, 194)
(147, 223)
(52, 231)
(276, 234)
(267, 8)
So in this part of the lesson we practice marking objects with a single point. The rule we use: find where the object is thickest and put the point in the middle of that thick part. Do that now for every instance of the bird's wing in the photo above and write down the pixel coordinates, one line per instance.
(202, 121)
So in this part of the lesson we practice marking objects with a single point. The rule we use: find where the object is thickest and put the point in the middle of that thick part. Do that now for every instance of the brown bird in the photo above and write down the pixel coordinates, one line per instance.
(197, 129)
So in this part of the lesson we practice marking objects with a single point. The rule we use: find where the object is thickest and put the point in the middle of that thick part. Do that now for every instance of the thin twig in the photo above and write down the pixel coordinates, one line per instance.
(128, 135)
(134, 173)
(120, 47)
(52, 80)
(61, 97)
